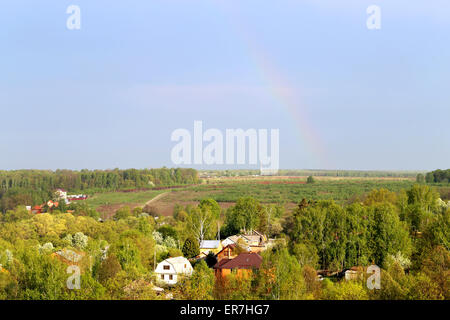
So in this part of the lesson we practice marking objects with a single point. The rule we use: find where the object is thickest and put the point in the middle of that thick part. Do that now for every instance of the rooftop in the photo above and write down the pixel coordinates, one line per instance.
(209, 244)
(242, 261)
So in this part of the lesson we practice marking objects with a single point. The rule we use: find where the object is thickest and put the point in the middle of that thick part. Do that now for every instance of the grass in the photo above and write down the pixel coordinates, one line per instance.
(115, 198)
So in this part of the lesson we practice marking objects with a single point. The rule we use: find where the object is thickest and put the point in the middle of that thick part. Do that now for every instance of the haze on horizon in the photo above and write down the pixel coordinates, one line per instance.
(110, 94)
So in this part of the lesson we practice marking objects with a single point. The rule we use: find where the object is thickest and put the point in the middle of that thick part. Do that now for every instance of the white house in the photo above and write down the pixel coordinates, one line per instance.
(61, 194)
(251, 241)
(170, 269)
(229, 240)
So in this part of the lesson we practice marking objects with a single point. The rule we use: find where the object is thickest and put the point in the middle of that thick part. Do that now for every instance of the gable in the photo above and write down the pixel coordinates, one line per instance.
(165, 267)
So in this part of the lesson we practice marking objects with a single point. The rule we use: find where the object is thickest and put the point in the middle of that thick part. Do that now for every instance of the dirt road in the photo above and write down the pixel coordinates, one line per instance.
(159, 196)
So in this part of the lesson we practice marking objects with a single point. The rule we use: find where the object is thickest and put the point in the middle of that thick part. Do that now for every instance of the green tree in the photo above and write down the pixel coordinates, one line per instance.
(212, 205)
(345, 290)
(200, 223)
(280, 276)
(168, 231)
(310, 179)
(379, 196)
(423, 196)
(39, 276)
(429, 177)
(387, 235)
(244, 215)
(122, 213)
(128, 255)
(108, 269)
(80, 240)
(211, 259)
(191, 248)
(306, 254)
(200, 285)
(420, 178)
(437, 267)
(20, 213)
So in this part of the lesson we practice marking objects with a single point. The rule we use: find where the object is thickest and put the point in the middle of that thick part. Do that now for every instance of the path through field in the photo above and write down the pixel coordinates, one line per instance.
(159, 196)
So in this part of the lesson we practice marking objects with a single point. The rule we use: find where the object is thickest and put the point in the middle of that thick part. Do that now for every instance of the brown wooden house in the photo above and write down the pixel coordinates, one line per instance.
(228, 252)
(242, 265)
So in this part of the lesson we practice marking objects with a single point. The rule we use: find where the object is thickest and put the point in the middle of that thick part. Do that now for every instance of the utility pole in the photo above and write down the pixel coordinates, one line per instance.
(218, 231)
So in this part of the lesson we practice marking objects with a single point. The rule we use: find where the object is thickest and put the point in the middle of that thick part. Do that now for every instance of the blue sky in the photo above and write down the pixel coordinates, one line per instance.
(110, 94)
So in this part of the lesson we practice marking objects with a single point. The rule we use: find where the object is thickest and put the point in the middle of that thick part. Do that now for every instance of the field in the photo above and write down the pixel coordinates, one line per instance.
(283, 190)
(107, 203)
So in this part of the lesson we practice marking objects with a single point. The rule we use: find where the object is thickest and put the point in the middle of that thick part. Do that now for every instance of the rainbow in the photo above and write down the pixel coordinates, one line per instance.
(280, 89)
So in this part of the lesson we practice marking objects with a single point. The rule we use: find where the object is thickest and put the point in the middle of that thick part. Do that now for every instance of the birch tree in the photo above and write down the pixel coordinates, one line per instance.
(199, 223)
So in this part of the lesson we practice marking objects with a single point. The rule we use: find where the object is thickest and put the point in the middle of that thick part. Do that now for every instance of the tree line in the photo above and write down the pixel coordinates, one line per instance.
(437, 176)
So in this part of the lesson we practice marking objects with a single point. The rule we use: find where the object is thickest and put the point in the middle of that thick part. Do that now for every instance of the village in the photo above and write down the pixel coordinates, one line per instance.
(60, 195)
(239, 255)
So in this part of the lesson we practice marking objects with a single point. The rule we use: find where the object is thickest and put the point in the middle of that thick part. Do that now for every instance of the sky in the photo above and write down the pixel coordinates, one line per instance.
(110, 94)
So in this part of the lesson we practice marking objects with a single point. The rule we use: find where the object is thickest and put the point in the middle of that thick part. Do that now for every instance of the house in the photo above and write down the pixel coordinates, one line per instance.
(242, 265)
(76, 197)
(255, 242)
(70, 257)
(207, 246)
(230, 240)
(252, 241)
(254, 238)
(354, 273)
(40, 209)
(228, 252)
(61, 194)
(171, 269)
(37, 209)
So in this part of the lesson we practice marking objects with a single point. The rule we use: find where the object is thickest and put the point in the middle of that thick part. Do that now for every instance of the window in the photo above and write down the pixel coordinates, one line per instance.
(185, 266)
(170, 277)
(166, 268)
(162, 277)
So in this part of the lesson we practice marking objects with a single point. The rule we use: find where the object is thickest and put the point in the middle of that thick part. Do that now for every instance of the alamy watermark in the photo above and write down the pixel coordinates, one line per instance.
(374, 20)
(74, 20)
(374, 281)
(235, 147)
(73, 281)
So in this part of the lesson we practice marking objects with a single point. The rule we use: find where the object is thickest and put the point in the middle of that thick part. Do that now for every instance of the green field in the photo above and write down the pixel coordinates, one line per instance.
(338, 190)
(117, 198)
(276, 190)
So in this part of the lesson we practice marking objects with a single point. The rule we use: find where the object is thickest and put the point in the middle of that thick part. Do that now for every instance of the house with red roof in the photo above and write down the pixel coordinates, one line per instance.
(242, 265)
(37, 209)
